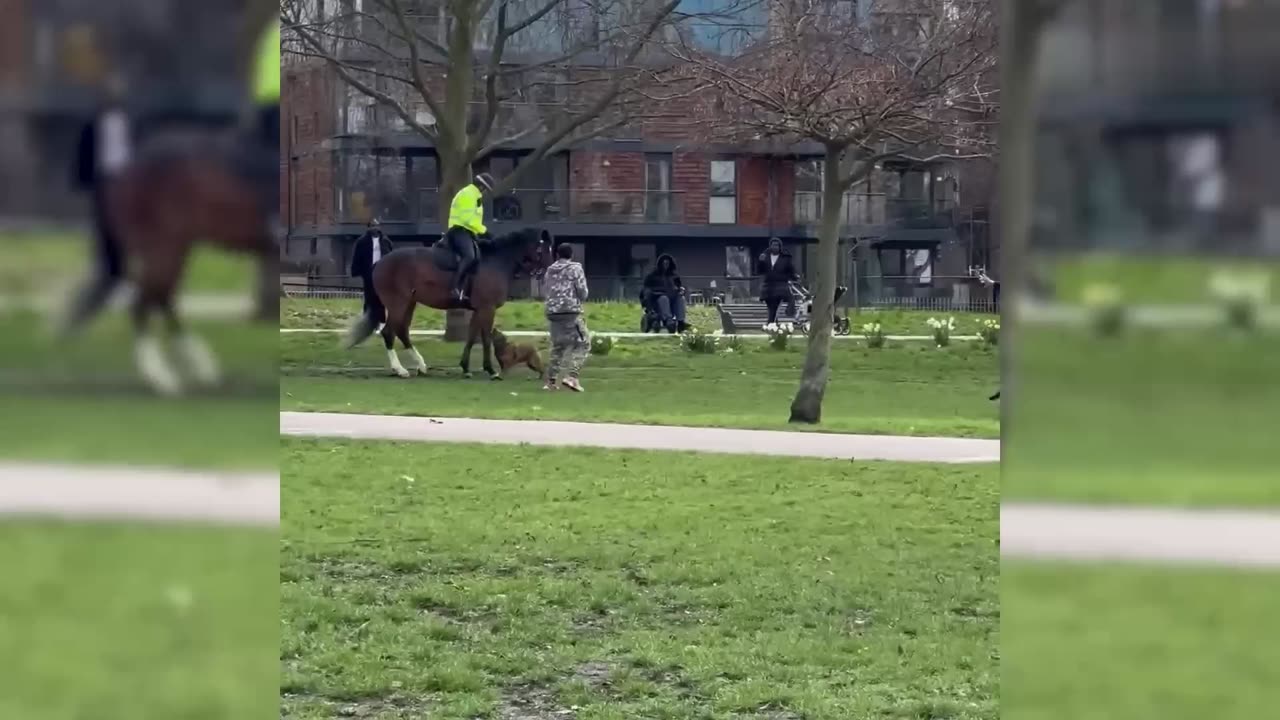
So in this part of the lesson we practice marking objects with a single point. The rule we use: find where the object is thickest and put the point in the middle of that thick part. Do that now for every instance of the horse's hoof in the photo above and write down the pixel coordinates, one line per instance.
(402, 373)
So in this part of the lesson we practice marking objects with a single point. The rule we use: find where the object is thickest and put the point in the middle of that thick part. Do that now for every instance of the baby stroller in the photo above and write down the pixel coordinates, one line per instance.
(804, 308)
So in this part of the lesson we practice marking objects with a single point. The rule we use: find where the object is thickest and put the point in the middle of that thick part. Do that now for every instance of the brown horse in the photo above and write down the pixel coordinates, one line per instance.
(422, 275)
(184, 187)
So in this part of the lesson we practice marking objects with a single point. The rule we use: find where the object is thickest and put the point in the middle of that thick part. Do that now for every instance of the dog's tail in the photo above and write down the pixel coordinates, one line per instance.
(360, 330)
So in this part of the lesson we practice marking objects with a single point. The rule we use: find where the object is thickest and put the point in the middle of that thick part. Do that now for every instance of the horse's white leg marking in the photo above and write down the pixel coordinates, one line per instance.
(420, 363)
(204, 365)
(396, 367)
(155, 367)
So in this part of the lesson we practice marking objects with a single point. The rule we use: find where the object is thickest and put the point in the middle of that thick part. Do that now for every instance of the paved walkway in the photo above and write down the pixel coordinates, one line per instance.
(1041, 531)
(1230, 538)
(641, 437)
(1158, 316)
(138, 494)
(636, 335)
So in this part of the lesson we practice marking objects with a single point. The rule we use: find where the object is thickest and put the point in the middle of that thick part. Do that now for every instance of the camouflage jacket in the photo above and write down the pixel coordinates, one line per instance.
(565, 287)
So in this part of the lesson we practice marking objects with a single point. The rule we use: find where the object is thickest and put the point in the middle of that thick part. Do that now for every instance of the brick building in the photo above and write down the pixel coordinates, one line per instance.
(626, 199)
(173, 54)
(1160, 128)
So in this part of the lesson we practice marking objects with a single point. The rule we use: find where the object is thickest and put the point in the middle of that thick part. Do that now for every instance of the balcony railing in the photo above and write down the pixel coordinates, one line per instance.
(522, 206)
(859, 209)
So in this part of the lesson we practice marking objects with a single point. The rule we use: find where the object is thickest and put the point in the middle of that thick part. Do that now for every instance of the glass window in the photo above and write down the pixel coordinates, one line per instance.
(808, 192)
(724, 192)
(657, 172)
(737, 261)
(657, 186)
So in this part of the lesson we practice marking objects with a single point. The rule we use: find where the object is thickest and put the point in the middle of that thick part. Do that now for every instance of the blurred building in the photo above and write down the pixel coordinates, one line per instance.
(179, 58)
(627, 197)
(1161, 127)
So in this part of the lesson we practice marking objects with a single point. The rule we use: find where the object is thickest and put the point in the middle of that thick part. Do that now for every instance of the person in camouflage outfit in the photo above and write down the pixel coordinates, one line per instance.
(566, 289)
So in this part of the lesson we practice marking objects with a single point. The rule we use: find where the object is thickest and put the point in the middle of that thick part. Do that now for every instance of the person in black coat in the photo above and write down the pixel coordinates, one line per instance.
(103, 149)
(778, 271)
(372, 246)
(663, 291)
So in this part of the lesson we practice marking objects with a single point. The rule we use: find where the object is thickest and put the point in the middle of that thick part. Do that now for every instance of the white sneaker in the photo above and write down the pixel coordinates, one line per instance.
(573, 384)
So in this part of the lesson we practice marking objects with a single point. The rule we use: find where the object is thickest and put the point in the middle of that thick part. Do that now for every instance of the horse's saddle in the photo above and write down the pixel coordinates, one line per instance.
(445, 259)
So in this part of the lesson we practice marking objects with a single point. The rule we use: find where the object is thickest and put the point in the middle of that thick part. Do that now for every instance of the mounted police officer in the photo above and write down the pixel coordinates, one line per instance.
(466, 228)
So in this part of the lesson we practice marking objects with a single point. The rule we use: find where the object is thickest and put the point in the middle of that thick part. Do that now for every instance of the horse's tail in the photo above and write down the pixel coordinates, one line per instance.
(361, 329)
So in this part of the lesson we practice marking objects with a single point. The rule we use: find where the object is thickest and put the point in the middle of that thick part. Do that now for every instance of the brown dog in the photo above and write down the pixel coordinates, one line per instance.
(511, 354)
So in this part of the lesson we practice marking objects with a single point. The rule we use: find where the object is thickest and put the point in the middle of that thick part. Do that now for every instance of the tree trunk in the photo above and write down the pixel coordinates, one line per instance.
(1021, 30)
(807, 405)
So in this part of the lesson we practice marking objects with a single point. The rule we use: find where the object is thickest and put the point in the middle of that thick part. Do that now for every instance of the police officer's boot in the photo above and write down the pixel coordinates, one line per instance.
(459, 284)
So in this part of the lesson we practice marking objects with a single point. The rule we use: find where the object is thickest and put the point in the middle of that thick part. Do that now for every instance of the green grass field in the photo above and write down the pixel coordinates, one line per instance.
(137, 623)
(39, 257)
(1148, 279)
(907, 388)
(82, 401)
(1153, 416)
(602, 316)
(1094, 643)
(460, 582)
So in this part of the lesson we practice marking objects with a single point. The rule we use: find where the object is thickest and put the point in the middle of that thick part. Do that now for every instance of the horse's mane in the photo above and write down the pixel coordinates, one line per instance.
(505, 246)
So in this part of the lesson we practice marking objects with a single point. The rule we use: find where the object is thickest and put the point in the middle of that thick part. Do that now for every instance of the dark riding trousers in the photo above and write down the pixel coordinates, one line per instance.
(464, 245)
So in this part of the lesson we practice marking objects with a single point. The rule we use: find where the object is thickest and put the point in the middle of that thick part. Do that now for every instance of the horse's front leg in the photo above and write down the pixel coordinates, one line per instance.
(486, 345)
(465, 364)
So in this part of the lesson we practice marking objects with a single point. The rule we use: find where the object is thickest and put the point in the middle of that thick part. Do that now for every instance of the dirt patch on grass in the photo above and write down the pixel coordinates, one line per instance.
(393, 706)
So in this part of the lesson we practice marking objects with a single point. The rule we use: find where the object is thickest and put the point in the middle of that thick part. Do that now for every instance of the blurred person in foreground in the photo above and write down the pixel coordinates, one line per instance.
(372, 246)
(104, 149)
(566, 290)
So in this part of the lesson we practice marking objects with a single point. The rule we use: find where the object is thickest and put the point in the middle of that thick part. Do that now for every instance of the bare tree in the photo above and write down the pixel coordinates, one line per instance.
(471, 76)
(910, 79)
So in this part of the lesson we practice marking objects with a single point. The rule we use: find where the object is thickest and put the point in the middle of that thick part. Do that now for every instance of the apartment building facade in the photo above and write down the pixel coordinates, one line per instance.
(625, 199)
(1160, 127)
(173, 54)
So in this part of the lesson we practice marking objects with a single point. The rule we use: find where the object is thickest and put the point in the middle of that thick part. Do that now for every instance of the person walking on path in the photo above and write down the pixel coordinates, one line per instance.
(566, 290)
(778, 270)
(370, 248)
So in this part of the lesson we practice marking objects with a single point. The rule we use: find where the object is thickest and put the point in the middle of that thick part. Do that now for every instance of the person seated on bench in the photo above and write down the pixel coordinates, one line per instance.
(663, 293)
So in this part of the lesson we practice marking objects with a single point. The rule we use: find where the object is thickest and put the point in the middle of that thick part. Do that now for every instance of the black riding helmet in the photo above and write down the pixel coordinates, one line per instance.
(485, 182)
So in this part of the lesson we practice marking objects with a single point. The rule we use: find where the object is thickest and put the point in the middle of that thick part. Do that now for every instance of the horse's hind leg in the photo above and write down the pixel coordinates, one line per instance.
(153, 364)
(419, 363)
(195, 351)
(392, 328)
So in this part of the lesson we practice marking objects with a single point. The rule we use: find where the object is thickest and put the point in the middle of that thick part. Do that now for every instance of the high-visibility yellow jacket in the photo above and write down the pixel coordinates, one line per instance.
(266, 81)
(467, 210)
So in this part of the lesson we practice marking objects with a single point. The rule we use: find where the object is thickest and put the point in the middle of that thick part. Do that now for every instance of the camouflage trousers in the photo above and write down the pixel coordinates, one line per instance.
(570, 345)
